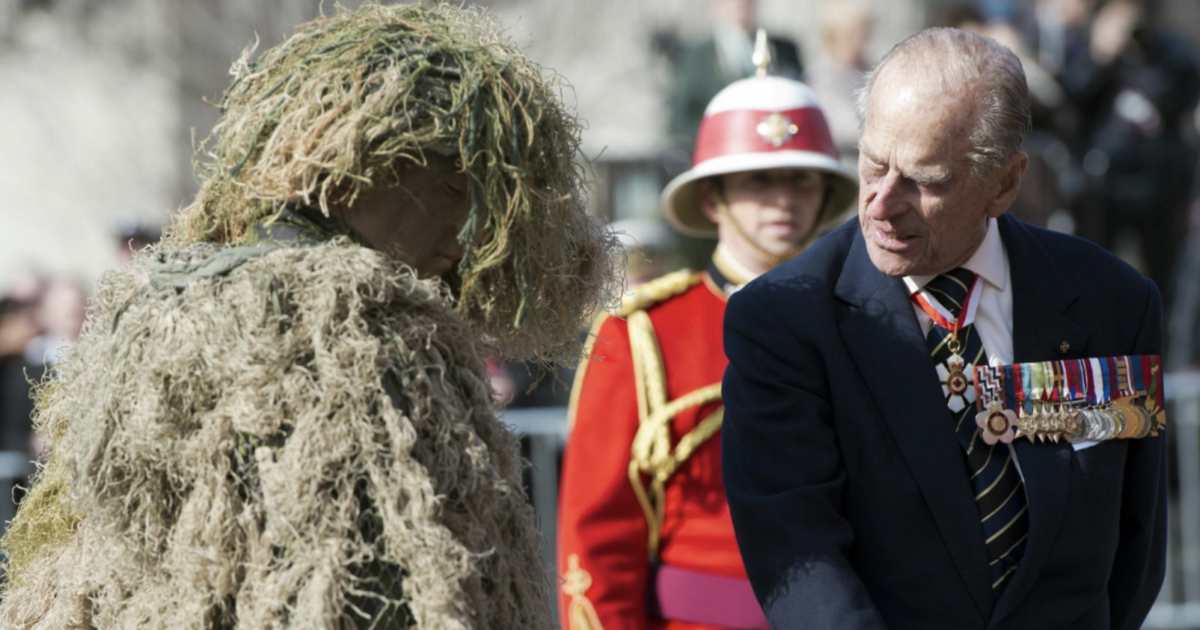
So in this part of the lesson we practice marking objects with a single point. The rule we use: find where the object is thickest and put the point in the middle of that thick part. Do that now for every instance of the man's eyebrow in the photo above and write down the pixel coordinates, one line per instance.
(862, 148)
(930, 177)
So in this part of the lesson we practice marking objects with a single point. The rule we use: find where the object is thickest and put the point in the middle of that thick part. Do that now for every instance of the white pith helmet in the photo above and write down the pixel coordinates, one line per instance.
(762, 122)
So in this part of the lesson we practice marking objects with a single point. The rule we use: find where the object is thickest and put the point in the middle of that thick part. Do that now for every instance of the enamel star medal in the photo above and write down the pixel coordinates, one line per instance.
(956, 379)
(952, 371)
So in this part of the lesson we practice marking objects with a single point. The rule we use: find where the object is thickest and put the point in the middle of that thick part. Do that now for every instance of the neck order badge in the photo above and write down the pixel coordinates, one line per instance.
(956, 381)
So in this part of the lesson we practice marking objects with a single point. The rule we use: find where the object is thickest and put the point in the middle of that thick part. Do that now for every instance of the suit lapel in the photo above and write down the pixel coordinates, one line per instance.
(1041, 297)
(885, 341)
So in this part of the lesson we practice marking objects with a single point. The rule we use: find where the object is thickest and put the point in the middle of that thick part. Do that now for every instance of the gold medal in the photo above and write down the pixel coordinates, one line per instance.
(1043, 419)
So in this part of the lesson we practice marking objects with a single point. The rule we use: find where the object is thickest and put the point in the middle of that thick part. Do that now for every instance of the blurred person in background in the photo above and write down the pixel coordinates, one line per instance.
(838, 72)
(701, 68)
(1136, 90)
(1184, 319)
(26, 285)
(17, 328)
(20, 325)
(133, 236)
(645, 539)
(1040, 196)
(1057, 32)
(60, 315)
(965, 16)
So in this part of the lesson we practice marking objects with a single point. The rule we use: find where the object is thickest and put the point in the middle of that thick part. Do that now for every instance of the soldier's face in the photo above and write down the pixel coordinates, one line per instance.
(778, 208)
(417, 220)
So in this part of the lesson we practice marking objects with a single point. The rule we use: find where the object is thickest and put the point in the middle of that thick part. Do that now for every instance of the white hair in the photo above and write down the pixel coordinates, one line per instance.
(979, 67)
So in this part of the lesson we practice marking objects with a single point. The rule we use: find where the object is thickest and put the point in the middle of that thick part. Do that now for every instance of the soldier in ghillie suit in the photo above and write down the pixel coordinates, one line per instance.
(281, 417)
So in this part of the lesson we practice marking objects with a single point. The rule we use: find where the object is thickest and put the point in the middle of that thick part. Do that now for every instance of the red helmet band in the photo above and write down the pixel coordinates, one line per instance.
(759, 131)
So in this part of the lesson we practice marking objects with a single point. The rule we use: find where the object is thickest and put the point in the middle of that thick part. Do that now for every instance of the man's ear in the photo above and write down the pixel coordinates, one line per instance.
(708, 200)
(1006, 185)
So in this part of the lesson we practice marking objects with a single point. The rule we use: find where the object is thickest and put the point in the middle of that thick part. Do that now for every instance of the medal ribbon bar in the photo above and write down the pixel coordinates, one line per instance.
(1100, 398)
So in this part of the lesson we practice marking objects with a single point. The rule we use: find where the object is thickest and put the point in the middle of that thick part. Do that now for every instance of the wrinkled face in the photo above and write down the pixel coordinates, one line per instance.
(417, 220)
(921, 210)
(778, 208)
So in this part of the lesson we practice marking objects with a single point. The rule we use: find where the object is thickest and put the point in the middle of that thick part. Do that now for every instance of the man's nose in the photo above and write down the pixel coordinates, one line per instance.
(784, 196)
(889, 198)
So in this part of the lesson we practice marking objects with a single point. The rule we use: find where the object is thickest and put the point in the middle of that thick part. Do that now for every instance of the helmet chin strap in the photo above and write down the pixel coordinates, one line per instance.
(773, 259)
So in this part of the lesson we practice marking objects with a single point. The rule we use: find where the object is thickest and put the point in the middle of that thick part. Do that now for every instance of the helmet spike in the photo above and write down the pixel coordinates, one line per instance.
(762, 53)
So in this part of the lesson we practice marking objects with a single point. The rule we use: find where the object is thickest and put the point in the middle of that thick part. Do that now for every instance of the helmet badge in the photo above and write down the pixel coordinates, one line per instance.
(777, 129)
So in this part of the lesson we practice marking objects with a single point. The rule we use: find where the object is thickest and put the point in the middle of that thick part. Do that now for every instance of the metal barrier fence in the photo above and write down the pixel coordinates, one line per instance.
(1178, 605)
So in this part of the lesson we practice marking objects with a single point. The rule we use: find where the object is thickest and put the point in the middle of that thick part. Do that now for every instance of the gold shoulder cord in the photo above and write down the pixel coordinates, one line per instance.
(651, 453)
(657, 290)
(581, 615)
(647, 361)
(581, 370)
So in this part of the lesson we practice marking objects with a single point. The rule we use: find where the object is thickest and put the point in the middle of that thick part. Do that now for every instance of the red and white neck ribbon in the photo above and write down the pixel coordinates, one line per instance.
(942, 317)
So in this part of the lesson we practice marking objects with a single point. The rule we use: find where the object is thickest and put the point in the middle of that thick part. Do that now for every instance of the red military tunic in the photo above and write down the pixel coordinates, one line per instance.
(606, 530)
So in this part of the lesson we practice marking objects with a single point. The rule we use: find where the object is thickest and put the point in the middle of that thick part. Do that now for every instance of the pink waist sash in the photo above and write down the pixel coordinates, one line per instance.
(715, 600)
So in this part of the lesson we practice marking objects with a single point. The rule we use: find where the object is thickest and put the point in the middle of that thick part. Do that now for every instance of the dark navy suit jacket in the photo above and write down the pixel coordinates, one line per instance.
(849, 491)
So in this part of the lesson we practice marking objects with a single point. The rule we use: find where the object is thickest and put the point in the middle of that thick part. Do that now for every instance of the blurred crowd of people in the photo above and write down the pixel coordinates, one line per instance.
(40, 315)
(1115, 124)
(1113, 152)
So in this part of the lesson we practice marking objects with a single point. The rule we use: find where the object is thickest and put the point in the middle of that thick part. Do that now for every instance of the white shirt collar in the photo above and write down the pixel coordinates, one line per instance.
(990, 261)
(744, 275)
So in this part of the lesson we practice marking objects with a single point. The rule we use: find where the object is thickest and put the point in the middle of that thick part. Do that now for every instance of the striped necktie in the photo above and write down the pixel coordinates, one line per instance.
(999, 492)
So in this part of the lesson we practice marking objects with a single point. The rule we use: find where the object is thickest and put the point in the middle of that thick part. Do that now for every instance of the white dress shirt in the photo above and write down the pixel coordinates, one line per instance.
(993, 317)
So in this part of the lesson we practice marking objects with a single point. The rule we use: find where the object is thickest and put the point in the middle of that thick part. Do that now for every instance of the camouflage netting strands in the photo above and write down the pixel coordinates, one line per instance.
(274, 437)
(352, 98)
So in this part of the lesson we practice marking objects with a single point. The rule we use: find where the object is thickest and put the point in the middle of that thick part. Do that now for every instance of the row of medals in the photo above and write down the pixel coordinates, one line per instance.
(1124, 418)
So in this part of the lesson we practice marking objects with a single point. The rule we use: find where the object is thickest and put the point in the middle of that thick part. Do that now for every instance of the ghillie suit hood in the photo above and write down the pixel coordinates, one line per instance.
(296, 437)
(255, 434)
(352, 99)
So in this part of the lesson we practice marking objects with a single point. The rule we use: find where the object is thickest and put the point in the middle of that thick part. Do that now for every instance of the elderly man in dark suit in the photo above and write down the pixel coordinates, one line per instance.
(860, 493)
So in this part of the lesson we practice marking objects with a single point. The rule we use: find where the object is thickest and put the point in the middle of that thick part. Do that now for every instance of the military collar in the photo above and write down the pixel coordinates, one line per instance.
(726, 273)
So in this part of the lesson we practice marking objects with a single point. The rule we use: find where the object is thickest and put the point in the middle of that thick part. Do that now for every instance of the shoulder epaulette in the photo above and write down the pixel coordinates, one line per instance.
(657, 290)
